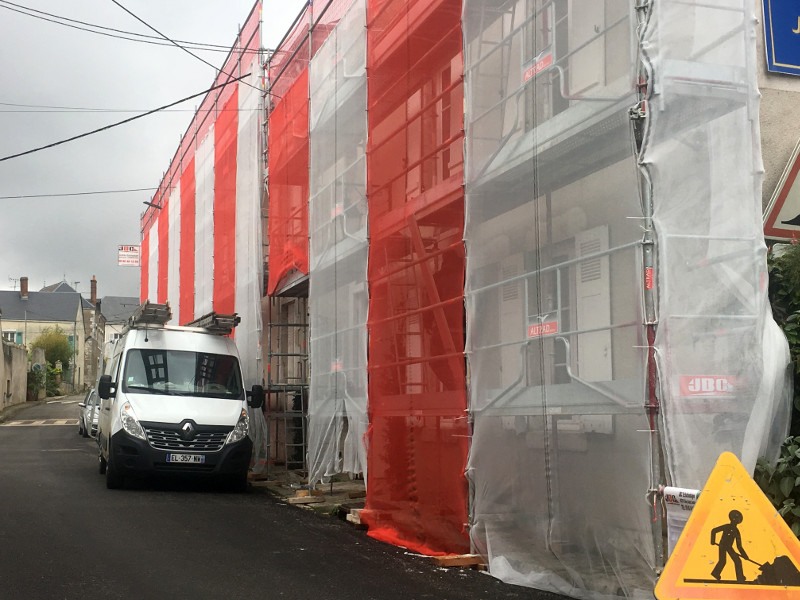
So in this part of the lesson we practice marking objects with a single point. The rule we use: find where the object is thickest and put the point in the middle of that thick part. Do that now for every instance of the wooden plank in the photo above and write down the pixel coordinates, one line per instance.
(305, 500)
(458, 560)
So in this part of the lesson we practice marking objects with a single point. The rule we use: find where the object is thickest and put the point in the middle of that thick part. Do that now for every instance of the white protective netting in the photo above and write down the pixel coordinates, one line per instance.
(721, 358)
(249, 272)
(338, 300)
(204, 228)
(563, 451)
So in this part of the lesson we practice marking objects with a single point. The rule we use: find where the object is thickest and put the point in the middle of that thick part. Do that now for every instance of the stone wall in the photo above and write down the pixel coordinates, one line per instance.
(13, 374)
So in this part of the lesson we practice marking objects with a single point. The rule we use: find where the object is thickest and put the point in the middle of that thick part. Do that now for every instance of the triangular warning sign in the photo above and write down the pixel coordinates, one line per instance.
(734, 546)
(782, 216)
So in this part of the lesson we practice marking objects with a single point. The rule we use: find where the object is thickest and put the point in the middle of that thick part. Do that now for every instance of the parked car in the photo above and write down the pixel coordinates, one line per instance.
(87, 418)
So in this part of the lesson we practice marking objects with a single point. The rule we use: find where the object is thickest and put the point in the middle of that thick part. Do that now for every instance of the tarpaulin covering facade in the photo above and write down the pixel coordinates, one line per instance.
(417, 440)
(338, 298)
(288, 156)
(578, 330)
(203, 245)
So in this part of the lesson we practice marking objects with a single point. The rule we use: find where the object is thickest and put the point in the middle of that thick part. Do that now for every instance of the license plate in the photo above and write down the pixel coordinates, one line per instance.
(186, 458)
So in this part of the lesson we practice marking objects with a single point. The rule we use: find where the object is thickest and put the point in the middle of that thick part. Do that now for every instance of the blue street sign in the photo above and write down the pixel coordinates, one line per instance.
(782, 35)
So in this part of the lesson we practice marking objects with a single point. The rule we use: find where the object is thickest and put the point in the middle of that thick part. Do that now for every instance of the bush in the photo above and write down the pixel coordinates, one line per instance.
(783, 264)
(52, 381)
(35, 382)
(780, 483)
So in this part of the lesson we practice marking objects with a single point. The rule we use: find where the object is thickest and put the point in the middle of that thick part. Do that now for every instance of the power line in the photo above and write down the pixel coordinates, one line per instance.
(118, 33)
(41, 108)
(64, 195)
(177, 44)
(149, 112)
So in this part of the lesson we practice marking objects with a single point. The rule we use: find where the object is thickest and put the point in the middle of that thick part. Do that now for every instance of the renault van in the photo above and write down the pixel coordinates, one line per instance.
(172, 401)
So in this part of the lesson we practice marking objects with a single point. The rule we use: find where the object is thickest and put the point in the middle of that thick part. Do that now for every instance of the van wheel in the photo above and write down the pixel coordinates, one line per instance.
(101, 464)
(84, 431)
(114, 479)
(81, 430)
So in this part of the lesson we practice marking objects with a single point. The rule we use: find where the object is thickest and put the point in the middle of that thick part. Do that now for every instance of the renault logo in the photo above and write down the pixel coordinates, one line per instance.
(188, 431)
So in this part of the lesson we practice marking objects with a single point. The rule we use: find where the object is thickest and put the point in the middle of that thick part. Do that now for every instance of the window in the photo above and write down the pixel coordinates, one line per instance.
(13, 336)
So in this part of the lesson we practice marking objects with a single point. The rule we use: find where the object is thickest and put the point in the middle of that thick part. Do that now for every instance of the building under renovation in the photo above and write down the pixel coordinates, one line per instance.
(503, 259)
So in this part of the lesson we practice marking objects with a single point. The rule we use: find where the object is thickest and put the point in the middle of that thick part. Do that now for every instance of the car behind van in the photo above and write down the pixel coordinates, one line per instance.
(173, 402)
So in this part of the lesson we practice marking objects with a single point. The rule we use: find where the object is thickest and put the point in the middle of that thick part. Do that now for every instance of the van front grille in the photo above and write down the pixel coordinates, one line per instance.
(162, 438)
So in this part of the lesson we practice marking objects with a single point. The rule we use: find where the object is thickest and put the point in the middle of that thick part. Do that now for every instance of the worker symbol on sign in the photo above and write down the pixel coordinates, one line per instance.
(728, 536)
(709, 559)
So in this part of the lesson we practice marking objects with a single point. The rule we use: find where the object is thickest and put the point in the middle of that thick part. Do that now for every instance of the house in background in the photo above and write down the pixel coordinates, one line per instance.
(26, 315)
(115, 311)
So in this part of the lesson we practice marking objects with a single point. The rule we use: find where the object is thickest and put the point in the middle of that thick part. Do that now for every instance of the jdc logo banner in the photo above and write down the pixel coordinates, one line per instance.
(782, 35)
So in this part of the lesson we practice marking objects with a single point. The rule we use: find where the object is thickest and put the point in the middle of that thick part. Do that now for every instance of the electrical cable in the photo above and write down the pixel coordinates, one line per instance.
(147, 39)
(63, 195)
(178, 45)
(149, 112)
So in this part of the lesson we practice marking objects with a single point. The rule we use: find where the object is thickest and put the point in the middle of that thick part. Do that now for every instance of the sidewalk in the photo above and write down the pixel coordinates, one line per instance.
(338, 498)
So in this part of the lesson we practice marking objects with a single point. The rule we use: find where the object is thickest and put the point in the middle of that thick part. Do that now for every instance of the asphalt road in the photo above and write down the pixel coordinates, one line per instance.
(63, 535)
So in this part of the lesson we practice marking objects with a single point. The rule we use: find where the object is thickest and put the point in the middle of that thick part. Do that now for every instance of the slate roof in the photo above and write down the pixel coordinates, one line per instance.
(60, 287)
(117, 309)
(40, 306)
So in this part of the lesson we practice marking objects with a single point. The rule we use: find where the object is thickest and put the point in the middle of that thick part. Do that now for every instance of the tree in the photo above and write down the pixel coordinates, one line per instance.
(55, 344)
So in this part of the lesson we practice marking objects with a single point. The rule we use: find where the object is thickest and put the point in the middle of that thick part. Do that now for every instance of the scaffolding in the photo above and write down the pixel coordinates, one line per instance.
(287, 396)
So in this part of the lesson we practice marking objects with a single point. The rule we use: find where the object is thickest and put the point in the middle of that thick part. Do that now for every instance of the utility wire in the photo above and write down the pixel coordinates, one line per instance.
(178, 45)
(118, 33)
(149, 112)
(63, 195)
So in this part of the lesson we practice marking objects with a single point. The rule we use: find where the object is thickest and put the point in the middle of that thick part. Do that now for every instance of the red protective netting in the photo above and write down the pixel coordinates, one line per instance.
(417, 491)
(219, 108)
(288, 184)
(225, 152)
(187, 242)
(163, 251)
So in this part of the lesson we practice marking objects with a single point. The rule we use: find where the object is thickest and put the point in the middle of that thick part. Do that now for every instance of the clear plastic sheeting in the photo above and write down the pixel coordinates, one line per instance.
(204, 227)
(249, 271)
(572, 180)
(720, 356)
(338, 299)
(560, 460)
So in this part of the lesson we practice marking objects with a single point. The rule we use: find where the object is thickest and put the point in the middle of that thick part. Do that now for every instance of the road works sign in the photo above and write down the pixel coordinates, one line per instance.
(782, 217)
(734, 546)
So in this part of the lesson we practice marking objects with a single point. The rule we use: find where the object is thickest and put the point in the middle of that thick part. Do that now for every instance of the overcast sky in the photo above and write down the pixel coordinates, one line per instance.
(45, 64)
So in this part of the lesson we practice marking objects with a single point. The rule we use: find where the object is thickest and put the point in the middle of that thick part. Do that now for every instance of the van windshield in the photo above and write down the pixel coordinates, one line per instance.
(182, 373)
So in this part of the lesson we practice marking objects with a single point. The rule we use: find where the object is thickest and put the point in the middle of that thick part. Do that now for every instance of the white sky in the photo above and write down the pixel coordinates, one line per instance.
(47, 64)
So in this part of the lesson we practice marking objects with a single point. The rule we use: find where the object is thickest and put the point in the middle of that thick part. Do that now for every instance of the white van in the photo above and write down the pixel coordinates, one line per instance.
(173, 402)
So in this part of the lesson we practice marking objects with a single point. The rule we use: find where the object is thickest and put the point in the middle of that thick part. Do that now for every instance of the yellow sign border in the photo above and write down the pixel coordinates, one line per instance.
(727, 469)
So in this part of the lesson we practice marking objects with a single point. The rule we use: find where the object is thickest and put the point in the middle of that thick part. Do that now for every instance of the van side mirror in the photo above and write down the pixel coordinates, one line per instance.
(257, 397)
(104, 387)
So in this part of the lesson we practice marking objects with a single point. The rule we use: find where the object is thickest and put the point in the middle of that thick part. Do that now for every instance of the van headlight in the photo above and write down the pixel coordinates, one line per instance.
(130, 423)
(240, 431)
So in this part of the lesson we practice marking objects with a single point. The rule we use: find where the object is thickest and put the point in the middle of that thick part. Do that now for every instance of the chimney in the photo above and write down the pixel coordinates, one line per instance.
(23, 288)
(93, 299)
